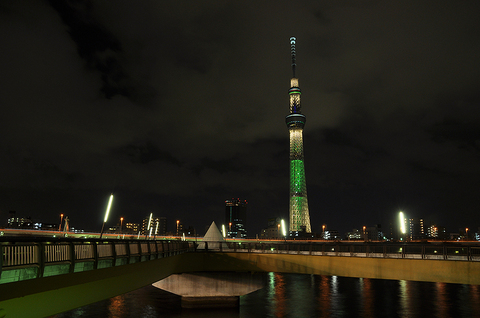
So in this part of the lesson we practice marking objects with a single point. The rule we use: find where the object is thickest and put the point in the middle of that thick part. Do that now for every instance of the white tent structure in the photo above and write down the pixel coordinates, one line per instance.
(213, 238)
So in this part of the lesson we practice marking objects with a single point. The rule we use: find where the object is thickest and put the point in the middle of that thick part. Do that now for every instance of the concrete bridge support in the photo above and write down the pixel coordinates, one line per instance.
(211, 289)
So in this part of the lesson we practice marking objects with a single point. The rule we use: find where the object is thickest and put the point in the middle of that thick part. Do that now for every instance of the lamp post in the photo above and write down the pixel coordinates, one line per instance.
(121, 225)
(61, 220)
(466, 234)
(284, 230)
(156, 230)
(149, 225)
(323, 232)
(401, 220)
(178, 222)
(106, 213)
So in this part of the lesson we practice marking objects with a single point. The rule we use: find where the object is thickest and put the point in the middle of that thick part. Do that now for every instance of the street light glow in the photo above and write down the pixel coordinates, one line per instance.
(108, 207)
(106, 214)
(402, 222)
(149, 221)
(61, 221)
(284, 231)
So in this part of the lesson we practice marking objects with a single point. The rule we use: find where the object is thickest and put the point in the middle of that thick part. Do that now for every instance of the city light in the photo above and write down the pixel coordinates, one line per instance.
(284, 230)
(149, 221)
(223, 230)
(402, 222)
(61, 220)
(109, 206)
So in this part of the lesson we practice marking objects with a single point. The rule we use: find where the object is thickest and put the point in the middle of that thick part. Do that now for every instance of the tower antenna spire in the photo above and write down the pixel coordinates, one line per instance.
(293, 52)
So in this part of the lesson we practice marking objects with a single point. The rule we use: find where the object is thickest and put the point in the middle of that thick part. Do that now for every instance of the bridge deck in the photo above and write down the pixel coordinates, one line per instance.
(47, 295)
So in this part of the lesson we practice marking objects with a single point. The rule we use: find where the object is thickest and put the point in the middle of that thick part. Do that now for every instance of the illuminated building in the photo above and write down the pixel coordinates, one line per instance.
(374, 233)
(178, 228)
(19, 222)
(162, 226)
(235, 218)
(131, 228)
(436, 232)
(298, 207)
(433, 231)
(417, 230)
(274, 229)
(354, 235)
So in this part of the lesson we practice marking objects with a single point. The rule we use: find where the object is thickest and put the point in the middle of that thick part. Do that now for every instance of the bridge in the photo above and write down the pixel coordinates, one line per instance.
(44, 276)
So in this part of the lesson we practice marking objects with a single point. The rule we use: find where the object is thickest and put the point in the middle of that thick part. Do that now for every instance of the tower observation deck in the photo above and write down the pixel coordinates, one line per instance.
(299, 214)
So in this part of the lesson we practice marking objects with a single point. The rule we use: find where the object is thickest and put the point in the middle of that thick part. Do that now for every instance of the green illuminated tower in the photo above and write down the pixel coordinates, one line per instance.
(299, 215)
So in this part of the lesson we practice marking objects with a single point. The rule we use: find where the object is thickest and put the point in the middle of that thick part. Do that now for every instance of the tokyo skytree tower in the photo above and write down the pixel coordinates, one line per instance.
(299, 215)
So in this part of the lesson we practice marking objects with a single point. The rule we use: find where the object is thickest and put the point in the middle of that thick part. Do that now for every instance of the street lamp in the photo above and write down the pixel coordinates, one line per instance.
(149, 225)
(402, 224)
(284, 230)
(466, 234)
(121, 225)
(106, 213)
(178, 222)
(61, 220)
(156, 230)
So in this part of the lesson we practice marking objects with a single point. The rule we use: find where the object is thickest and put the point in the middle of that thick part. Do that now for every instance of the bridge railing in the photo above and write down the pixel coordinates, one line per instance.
(42, 258)
(442, 251)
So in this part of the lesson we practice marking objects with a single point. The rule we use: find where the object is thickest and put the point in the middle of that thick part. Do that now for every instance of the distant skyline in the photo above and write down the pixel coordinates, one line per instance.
(179, 106)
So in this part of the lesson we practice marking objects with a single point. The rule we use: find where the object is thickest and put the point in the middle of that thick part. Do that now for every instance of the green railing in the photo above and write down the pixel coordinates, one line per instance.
(22, 260)
(35, 258)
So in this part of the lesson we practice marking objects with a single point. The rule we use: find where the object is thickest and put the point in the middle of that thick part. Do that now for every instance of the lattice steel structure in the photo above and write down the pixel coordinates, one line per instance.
(299, 214)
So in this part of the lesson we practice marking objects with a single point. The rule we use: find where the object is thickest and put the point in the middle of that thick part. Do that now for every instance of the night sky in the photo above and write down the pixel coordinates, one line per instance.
(177, 106)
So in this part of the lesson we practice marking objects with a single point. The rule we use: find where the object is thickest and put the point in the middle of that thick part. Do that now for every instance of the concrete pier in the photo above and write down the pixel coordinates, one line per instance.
(211, 289)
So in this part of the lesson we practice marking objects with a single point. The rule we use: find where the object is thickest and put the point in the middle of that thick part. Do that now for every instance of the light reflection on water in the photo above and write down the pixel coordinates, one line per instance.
(441, 297)
(403, 294)
(117, 306)
(324, 290)
(296, 295)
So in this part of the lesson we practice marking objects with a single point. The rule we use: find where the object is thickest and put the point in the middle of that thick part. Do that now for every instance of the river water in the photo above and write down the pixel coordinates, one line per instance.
(297, 295)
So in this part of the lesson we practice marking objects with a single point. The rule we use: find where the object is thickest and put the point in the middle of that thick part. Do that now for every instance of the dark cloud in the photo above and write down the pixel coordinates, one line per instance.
(145, 152)
(179, 106)
(101, 51)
